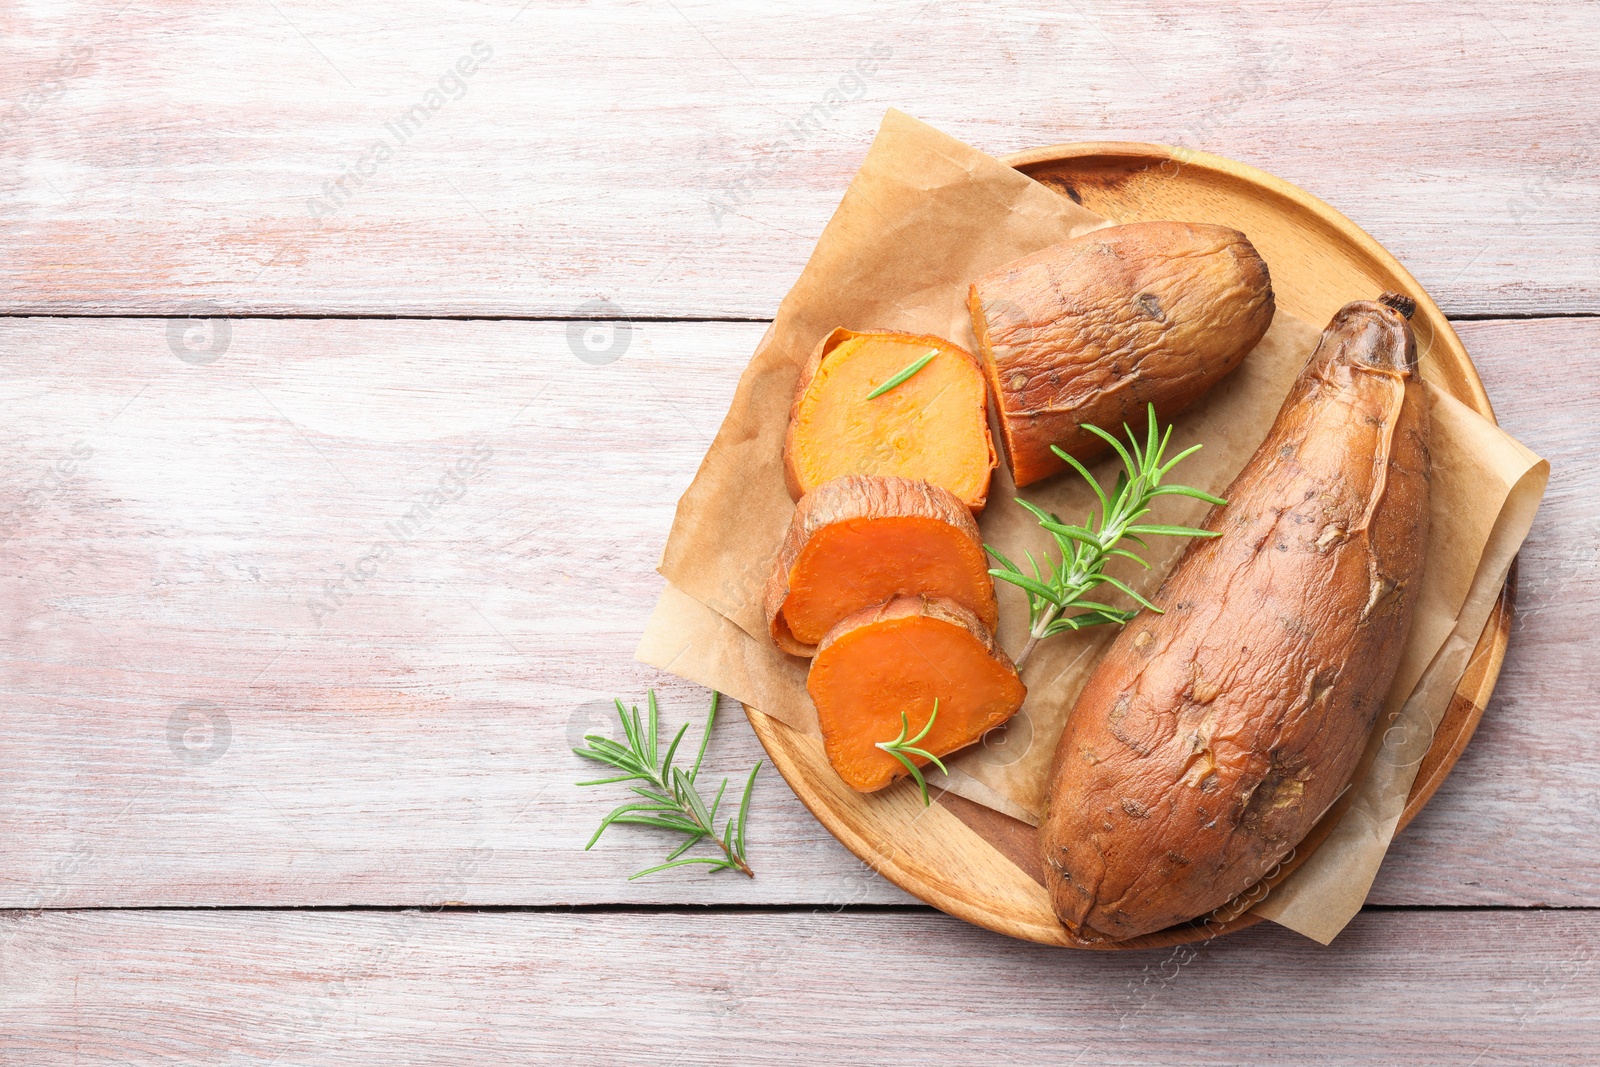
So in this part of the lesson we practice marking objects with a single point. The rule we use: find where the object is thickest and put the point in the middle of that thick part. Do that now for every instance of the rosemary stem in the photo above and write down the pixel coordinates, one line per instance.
(739, 864)
(1036, 633)
(1057, 591)
(1113, 528)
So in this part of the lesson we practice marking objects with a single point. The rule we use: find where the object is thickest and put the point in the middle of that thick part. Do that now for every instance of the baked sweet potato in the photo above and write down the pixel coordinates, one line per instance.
(1212, 737)
(858, 540)
(1093, 329)
(898, 657)
(934, 426)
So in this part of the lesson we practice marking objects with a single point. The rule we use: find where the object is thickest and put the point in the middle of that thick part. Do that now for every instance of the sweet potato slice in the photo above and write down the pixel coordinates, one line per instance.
(898, 657)
(1092, 329)
(1211, 738)
(858, 540)
(934, 426)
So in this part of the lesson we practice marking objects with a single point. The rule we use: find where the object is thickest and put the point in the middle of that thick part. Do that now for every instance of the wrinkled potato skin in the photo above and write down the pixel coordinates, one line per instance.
(850, 497)
(902, 607)
(1093, 329)
(1212, 737)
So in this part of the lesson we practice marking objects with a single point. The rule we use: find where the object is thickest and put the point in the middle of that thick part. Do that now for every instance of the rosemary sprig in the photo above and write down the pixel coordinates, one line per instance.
(1056, 588)
(903, 375)
(903, 748)
(671, 801)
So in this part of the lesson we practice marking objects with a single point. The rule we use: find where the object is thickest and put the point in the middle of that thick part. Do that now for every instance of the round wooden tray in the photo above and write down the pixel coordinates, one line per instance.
(980, 865)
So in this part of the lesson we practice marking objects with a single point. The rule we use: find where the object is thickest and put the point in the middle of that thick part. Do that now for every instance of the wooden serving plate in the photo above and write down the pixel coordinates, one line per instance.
(980, 865)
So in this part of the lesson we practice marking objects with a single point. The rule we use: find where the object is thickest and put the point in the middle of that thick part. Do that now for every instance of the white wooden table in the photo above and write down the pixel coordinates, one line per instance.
(251, 815)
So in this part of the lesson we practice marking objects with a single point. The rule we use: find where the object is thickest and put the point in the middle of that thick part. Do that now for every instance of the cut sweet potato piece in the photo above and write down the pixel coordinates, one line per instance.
(934, 426)
(858, 540)
(897, 657)
(1092, 329)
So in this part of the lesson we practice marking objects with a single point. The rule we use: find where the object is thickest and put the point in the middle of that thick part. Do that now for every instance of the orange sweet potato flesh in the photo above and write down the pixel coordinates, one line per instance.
(859, 540)
(933, 427)
(1211, 738)
(898, 657)
(1092, 329)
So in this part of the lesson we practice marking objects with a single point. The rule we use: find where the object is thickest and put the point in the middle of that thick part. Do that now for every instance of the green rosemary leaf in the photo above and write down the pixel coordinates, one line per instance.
(1073, 533)
(1094, 605)
(1046, 571)
(1170, 531)
(1091, 618)
(1100, 494)
(1068, 549)
(744, 809)
(605, 750)
(688, 843)
(655, 730)
(903, 375)
(624, 813)
(672, 749)
(903, 748)
(715, 863)
(711, 817)
(1127, 460)
(916, 773)
(659, 819)
(705, 738)
(1121, 488)
(610, 781)
(633, 731)
(1038, 572)
(1032, 585)
(1006, 563)
(1039, 513)
(689, 797)
(1139, 454)
(1128, 590)
(1184, 490)
(670, 798)
(1125, 554)
(1179, 458)
(927, 726)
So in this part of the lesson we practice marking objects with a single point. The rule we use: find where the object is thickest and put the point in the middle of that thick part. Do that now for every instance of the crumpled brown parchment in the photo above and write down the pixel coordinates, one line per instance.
(924, 215)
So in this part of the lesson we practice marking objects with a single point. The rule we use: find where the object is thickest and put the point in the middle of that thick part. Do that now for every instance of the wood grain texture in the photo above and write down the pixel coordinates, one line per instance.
(248, 989)
(174, 564)
(1534, 765)
(403, 738)
(680, 159)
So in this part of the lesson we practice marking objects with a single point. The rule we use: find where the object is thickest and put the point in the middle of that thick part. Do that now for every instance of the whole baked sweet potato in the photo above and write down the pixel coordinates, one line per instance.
(1093, 329)
(1213, 736)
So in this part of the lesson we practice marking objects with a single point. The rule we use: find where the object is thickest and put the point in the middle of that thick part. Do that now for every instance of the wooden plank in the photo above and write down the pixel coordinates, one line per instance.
(331, 989)
(172, 533)
(678, 160)
(170, 529)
